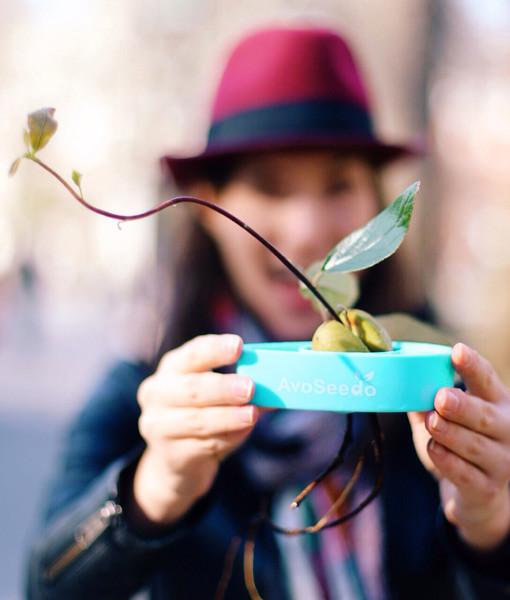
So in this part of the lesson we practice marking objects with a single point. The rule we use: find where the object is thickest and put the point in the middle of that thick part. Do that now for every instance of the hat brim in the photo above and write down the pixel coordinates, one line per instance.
(186, 170)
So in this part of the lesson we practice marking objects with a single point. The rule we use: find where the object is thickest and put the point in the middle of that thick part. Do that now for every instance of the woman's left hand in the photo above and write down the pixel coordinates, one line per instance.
(465, 443)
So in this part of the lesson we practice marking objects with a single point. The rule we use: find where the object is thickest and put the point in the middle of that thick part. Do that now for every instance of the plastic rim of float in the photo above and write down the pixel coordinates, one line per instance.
(291, 375)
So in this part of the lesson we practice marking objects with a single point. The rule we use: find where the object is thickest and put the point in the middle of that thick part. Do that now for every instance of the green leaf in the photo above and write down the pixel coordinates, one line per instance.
(377, 240)
(76, 176)
(26, 139)
(41, 127)
(341, 290)
(14, 167)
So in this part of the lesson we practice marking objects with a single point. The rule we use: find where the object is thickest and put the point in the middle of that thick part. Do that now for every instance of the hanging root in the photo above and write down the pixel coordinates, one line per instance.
(337, 461)
(376, 445)
(323, 522)
(228, 565)
(249, 558)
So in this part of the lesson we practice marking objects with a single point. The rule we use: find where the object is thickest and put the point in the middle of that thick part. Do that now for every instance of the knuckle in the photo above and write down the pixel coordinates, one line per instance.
(487, 418)
(191, 389)
(203, 343)
(490, 491)
(451, 512)
(212, 447)
(465, 478)
(192, 354)
(145, 426)
(212, 344)
(197, 423)
(485, 365)
(477, 446)
(167, 360)
(488, 378)
(144, 391)
(205, 338)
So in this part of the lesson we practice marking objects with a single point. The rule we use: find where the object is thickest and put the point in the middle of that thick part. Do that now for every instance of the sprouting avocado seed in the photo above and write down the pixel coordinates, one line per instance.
(363, 324)
(332, 336)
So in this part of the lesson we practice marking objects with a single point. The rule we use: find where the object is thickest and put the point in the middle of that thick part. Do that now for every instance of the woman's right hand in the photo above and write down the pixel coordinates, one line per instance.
(191, 419)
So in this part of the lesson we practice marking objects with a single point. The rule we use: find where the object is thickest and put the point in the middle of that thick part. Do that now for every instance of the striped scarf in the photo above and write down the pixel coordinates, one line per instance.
(341, 563)
(291, 448)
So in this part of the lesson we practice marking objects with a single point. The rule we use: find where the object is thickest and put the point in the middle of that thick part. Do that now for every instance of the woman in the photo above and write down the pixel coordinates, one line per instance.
(166, 465)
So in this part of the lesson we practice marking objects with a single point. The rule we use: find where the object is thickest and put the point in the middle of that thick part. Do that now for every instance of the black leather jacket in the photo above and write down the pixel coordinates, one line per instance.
(87, 550)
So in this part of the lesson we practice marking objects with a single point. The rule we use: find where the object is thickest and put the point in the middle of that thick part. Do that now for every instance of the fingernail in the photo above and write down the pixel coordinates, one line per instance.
(449, 401)
(461, 353)
(246, 414)
(437, 423)
(231, 343)
(242, 387)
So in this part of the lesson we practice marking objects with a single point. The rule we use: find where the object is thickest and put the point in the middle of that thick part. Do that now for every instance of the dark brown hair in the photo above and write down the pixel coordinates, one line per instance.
(198, 276)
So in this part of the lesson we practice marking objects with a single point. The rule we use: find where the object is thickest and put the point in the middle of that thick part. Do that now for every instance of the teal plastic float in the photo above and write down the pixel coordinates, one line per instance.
(292, 375)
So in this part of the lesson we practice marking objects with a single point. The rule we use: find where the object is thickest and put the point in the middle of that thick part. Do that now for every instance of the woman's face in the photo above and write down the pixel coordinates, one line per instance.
(303, 202)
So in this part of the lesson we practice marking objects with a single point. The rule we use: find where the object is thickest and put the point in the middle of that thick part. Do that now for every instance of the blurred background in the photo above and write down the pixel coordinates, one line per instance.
(131, 81)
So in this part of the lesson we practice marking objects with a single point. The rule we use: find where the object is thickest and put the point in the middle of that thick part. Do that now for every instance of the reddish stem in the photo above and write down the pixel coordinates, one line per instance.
(191, 199)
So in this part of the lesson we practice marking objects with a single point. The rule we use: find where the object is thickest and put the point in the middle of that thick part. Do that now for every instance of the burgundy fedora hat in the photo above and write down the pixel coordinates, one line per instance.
(289, 88)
